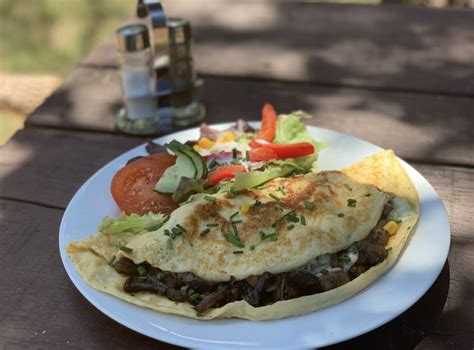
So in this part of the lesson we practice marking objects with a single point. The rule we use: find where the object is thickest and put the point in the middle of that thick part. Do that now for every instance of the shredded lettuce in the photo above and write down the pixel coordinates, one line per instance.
(132, 223)
(290, 129)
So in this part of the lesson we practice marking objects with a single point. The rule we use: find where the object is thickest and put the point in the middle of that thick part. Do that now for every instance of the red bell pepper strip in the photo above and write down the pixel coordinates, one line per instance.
(262, 154)
(290, 150)
(269, 120)
(225, 172)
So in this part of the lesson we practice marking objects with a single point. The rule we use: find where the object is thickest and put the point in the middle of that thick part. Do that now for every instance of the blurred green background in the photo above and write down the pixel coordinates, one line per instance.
(41, 41)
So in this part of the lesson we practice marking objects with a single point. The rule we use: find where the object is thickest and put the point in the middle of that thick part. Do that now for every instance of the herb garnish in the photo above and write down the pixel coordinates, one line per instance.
(271, 236)
(233, 215)
(368, 195)
(261, 187)
(255, 204)
(309, 205)
(209, 198)
(282, 190)
(234, 153)
(303, 220)
(348, 187)
(169, 243)
(194, 296)
(275, 197)
(181, 228)
(236, 221)
(278, 206)
(344, 259)
(205, 232)
(292, 217)
(141, 270)
(351, 202)
(213, 164)
(340, 215)
(234, 239)
(238, 252)
(125, 249)
(212, 224)
(290, 227)
(247, 155)
(252, 247)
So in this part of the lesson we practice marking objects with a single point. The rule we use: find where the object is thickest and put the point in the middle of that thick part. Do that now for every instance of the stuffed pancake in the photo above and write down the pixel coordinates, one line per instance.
(295, 245)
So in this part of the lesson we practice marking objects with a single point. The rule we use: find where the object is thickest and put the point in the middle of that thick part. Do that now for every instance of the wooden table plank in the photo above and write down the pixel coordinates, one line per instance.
(397, 47)
(41, 308)
(418, 127)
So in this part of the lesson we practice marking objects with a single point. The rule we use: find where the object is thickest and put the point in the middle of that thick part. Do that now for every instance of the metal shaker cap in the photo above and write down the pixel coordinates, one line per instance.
(179, 30)
(133, 37)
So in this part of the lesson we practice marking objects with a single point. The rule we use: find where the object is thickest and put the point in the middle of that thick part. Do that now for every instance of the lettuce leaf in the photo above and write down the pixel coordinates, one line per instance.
(132, 223)
(290, 129)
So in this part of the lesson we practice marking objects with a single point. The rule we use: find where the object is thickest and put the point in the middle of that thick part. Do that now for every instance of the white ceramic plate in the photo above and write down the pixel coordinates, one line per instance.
(393, 293)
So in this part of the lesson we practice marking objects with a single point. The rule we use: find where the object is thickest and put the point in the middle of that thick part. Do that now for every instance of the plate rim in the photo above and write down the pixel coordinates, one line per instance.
(182, 341)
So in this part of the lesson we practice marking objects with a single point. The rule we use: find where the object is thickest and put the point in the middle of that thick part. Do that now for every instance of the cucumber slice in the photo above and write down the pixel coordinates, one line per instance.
(170, 179)
(198, 161)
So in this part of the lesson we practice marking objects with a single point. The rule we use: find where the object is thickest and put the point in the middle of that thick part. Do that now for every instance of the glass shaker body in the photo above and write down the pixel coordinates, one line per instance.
(141, 114)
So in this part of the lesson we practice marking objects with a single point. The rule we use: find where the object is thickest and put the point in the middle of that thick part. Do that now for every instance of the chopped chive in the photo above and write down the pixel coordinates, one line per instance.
(141, 270)
(290, 227)
(209, 198)
(111, 260)
(247, 155)
(194, 296)
(238, 252)
(398, 221)
(234, 153)
(252, 247)
(344, 259)
(169, 243)
(175, 232)
(348, 187)
(278, 206)
(261, 187)
(389, 249)
(274, 196)
(270, 236)
(340, 215)
(236, 221)
(205, 232)
(282, 190)
(235, 240)
(212, 224)
(233, 215)
(167, 232)
(181, 228)
(255, 204)
(292, 217)
(351, 203)
(125, 249)
(309, 205)
(303, 220)
(368, 195)
(274, 224)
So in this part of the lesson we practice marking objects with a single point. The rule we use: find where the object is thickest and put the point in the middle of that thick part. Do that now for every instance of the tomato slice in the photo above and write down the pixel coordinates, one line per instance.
(225, 172)
(262, 154)
(132, 186)
(269, 120)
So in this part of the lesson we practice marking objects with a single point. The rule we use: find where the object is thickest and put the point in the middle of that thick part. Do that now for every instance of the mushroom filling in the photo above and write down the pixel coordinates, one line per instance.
(320, 274)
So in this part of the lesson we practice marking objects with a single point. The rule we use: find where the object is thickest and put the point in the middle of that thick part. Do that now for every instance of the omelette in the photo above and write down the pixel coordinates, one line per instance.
(289, 247)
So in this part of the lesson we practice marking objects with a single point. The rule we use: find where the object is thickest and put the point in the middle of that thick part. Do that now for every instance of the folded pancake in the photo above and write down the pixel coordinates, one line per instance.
(295, 245)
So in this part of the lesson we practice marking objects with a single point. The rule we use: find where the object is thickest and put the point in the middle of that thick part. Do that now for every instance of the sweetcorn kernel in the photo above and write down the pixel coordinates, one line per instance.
(226, 137)
(391, 227)
(244, 208)
(205, 143)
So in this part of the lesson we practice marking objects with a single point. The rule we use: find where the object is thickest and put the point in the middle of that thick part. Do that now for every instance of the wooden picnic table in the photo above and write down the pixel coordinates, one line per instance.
(400, 77)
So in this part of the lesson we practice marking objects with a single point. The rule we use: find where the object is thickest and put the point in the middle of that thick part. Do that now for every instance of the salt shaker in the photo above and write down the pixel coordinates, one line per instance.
(140, 115)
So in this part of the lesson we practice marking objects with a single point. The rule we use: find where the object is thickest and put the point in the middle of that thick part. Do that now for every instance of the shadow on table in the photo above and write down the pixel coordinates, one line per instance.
(408, 329)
